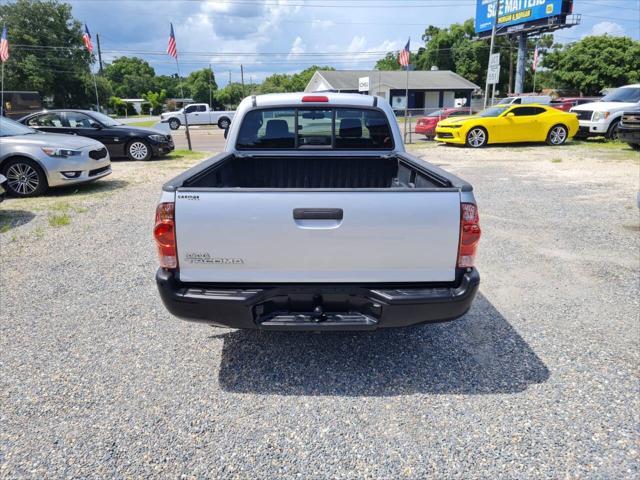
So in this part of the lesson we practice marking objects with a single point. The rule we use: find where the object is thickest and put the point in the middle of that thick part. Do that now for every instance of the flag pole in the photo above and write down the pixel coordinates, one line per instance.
(406, 94)
(184, 107)
(2, 95)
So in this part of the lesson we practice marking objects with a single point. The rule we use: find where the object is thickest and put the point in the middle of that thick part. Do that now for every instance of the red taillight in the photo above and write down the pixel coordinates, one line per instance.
(165, 235)
(315, 99)
(469, 235)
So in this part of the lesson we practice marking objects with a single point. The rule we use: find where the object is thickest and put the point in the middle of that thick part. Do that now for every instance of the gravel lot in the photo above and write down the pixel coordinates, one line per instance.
(539, 380)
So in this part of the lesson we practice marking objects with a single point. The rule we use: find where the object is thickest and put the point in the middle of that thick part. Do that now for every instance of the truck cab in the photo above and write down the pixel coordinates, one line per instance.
(316, 218)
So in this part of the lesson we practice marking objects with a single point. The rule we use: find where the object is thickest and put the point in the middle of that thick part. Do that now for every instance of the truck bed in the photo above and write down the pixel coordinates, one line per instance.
(314, 172)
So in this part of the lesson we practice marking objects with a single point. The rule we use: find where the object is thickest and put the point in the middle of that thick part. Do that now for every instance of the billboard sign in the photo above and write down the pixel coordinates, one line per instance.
(517, 12)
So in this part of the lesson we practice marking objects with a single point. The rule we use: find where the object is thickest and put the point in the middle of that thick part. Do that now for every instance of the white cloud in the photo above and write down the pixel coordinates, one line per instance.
(320, 24)
(608, 28)
(297, 48)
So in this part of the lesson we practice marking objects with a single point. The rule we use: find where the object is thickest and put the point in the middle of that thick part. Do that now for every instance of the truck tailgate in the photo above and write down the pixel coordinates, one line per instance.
(324, 237)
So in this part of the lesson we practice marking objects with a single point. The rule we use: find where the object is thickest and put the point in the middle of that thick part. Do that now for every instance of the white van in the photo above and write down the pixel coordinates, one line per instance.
(523, 99)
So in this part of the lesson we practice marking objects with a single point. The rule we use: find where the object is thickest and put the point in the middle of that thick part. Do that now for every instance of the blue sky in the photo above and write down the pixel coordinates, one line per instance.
(269, 36)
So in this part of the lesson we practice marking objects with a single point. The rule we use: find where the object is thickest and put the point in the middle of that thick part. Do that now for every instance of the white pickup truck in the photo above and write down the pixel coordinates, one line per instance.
(315, 218)
(197, 114)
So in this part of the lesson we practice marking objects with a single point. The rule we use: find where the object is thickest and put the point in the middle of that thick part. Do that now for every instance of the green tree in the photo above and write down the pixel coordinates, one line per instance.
(199, 83)
(231, 95)
(282, 82)
(156, 99)
(388, 62)
(130, 76)
(594, 63)
(61, 73)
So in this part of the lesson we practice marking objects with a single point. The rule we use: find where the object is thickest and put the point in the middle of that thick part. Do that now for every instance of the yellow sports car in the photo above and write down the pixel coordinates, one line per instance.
(509, 124)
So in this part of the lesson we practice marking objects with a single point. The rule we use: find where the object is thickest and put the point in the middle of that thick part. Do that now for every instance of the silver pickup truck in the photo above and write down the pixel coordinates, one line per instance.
(315, 218)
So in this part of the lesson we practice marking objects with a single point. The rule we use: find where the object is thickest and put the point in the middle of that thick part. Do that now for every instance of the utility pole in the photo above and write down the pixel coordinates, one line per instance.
(493, 38)
(229, 77)
(242, 79)
(99, 53)
(210, 81)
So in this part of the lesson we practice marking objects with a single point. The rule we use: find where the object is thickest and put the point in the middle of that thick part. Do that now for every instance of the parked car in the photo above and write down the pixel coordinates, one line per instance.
(33, 161)
(353, 232)
(121, 140)
(566, 104)
(198, 114)
(629, 129)
(509, 124)
(603, 117)
(3, 179)
(526, 99)
(427, 125)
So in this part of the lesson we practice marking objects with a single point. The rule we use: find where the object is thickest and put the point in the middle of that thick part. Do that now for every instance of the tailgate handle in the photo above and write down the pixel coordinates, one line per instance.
(317, 214)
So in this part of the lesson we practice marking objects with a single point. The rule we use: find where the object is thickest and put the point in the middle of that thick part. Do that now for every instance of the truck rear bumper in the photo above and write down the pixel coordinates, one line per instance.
(316, 307)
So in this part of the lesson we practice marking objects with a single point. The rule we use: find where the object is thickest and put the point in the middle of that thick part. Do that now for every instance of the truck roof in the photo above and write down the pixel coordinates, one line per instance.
(273, 99)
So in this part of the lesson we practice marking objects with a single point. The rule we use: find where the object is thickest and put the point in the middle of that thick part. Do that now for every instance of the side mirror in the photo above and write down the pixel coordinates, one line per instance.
(226, 132)
(510, 114)
(96, 125)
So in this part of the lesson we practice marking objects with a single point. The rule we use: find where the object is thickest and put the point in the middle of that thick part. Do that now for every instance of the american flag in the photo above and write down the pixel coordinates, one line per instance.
(4, 45)
(535, 59)
(172, 49)
(86, 38)
(403, 58)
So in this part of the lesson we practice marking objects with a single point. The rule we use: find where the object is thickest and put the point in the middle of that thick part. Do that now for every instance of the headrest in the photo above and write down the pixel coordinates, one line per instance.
(350, 128)
(277, 128)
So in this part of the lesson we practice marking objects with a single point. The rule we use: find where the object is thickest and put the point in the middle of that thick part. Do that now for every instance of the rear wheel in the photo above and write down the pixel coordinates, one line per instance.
(25, 178)
(139, 150)
(477, 137)
(612, 133)
(557, 135)
(224, 123)
(635, 146)
(174, 124)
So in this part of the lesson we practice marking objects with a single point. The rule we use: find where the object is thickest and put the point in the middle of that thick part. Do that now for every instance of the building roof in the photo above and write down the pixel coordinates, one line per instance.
(418, 79)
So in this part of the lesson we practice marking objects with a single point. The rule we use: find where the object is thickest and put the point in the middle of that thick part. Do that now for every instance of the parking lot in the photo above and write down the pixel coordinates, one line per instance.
(538, 380)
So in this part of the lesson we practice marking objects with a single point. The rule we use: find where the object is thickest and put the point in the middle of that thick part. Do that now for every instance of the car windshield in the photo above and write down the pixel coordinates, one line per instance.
(493, 111)
(437, 113)
(625, 94)
(9, 128)
(505, 101)
(105, 120)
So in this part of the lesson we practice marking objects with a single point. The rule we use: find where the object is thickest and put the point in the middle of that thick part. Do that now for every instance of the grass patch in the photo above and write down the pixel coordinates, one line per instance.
(5, 228)
(600, 142)
(182, 154)
(556, 160)
(147, 123)
(59, 220)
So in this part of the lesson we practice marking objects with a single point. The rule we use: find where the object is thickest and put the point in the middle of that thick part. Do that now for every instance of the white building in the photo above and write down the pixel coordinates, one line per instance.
(427, 89)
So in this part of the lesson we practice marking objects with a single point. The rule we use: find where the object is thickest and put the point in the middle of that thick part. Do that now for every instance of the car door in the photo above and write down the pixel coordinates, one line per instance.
(196, 115)
(83, 125)
(50, 122)
(521, 124)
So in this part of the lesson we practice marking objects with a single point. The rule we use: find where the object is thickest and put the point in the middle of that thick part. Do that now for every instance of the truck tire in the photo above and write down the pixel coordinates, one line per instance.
(224, 123)
(139, 150)
(635, 146)
(174, 123)
(25, 178)
(477, 137)
(557, 135)
(612, 133)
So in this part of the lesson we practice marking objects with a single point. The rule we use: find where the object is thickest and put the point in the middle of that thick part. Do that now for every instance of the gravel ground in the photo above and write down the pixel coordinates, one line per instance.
(539, 379)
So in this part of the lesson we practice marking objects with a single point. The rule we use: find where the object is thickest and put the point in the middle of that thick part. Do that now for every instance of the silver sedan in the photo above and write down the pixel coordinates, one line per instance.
(34, 161)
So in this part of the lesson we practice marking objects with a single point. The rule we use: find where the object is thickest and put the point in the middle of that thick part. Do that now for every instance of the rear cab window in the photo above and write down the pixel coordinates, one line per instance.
(308, 128)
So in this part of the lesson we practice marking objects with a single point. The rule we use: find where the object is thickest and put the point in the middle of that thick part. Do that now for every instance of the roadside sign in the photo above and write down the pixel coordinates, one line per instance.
(363, 84)
(493, 72)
